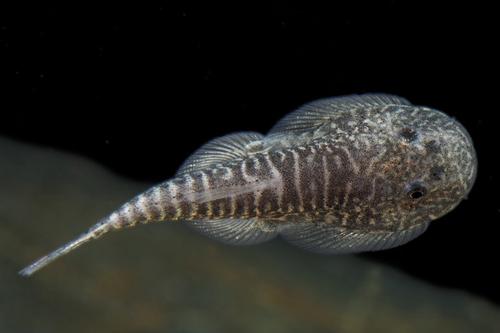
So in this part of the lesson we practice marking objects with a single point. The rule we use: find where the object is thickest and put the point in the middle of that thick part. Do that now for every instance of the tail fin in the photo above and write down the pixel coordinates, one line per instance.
(156, 204)
(95, 232)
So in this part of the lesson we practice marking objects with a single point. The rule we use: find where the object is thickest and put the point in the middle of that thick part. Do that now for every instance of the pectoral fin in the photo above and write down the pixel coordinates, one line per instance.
(311, 116)
(325, 238)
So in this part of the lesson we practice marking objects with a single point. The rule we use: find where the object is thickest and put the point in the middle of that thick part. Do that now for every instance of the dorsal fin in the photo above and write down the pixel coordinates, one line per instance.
(219, 150)
(313, 115)
(326, 238)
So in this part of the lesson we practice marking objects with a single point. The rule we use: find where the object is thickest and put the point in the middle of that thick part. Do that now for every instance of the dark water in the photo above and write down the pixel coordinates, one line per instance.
(137, 88)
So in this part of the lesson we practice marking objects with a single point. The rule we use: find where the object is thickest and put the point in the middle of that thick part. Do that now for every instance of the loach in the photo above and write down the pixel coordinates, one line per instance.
(338, 175)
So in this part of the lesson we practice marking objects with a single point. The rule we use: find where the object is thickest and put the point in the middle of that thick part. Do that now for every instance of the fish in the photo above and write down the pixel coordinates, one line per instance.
(338, 175)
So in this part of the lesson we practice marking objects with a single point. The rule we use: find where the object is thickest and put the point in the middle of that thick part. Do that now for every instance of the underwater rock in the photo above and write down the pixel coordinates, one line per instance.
(164, 277)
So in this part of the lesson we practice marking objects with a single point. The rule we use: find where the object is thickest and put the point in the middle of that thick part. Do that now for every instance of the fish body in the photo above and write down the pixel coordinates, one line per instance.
(338, 175)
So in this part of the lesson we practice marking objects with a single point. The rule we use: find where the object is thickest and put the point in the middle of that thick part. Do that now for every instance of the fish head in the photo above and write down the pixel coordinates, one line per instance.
(431, 165)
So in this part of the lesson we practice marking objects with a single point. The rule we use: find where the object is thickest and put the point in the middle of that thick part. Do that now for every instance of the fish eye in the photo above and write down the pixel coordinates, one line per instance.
(409, 134)
(416, 191)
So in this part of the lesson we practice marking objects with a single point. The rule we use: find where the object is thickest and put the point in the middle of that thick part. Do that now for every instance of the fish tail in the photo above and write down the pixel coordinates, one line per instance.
(156, 204)
(94, 232)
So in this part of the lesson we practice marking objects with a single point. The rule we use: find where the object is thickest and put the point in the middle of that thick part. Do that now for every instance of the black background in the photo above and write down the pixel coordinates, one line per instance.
(138, 87)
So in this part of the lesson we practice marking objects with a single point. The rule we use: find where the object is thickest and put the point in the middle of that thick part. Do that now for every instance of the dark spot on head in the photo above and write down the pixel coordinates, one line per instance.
(416, 191)
(415, 194)
(432, 146)
(409, 134)
(437, 172)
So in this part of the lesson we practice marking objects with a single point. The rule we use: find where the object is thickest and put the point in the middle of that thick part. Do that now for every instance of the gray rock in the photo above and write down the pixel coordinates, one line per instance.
(165, 278)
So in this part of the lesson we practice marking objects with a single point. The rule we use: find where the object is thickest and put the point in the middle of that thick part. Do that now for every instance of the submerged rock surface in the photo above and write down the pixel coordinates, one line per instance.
(165, 278)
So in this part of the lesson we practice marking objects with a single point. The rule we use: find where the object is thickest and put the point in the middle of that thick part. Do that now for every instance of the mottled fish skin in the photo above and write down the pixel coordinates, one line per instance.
(359, 173)
(360, 168)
